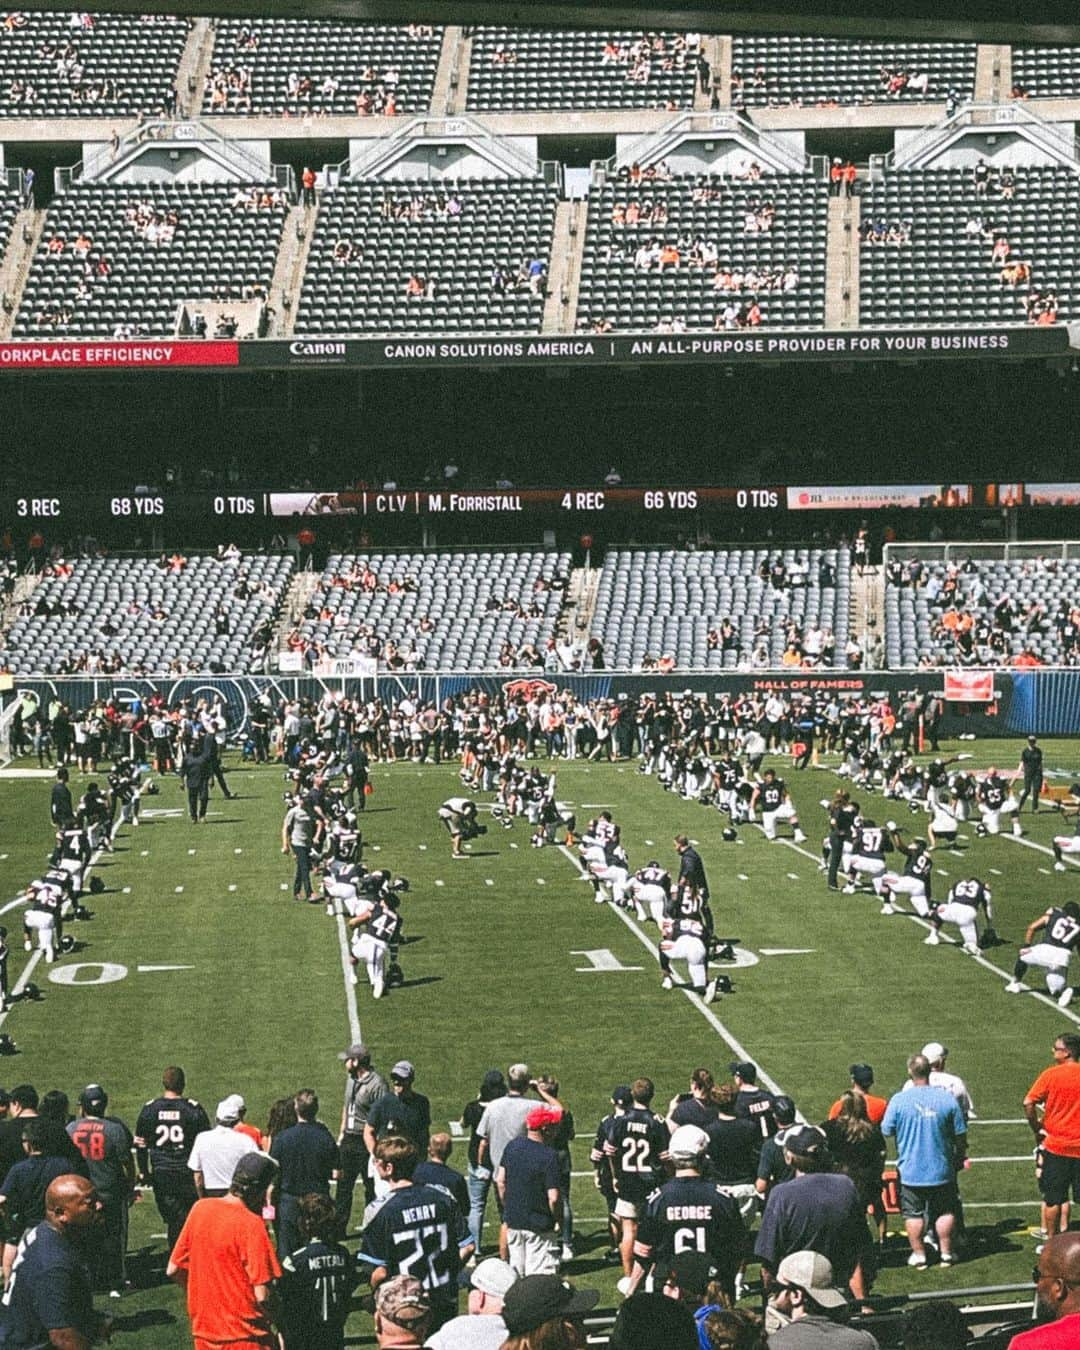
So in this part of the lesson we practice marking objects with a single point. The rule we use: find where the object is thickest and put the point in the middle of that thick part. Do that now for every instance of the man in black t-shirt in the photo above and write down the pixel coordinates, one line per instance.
(753, 1103)
(164, 1134)
(1031, 766)
(49, 1299)
(22, 1105)
(401, 1111)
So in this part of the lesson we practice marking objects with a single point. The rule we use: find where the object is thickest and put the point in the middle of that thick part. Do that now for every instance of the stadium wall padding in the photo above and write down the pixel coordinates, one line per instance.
(1032, 702)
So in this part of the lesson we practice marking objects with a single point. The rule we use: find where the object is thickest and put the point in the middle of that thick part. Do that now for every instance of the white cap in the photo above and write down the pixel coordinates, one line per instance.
(934, 1050)
(230, 1107)
(688, 1141)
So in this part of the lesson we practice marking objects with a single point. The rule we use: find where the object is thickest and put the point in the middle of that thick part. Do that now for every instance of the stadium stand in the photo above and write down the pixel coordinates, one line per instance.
(292, 67)
(948, 265)
(409, 256)
(985, 614)
(1046, 72)
(82, 64)
(154, 618)
(116, 260)
(809, 71)
(533, 69)
(461, 611)
(678, 598)
(701, 252)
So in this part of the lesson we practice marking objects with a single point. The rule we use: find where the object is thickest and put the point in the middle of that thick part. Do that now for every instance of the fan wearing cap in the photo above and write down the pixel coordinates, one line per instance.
(106, 1143)
(818, 1210)
(402, 1314)
(545, 1309)
(528, 1184)
(363, 1087)
(753, 1103)
(226, 1262)
(482, 1327)
(215, 1153)
(689, 1213)
(772, 1166)
(492, 1087)
(805, 1300)
(862, 1080)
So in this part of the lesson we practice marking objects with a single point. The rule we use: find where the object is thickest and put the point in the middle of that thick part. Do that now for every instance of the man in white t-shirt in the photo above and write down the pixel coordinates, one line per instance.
(482, 1328)
(216, 1152)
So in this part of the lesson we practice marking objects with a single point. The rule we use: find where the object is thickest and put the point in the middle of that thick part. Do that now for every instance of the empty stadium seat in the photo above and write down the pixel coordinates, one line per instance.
(503, 224)
(944, 275)
(657, 603)
(340, 60)
(126, 591)
(615, 291)
(88, 65)
(453, 590)
(809, 71)
(219, 251)
(533, 69)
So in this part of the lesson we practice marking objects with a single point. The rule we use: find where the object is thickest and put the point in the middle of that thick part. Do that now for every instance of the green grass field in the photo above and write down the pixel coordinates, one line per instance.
(497, 971)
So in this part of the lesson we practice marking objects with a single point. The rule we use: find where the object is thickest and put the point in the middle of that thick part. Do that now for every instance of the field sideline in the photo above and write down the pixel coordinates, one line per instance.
(502, 963)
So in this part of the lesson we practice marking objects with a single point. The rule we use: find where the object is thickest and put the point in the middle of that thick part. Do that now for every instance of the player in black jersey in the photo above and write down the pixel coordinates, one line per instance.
(416, 1230)
(727, 775)
(916, 881)
(1061, 926)
(633, 1148)
(843, 813)
(776, 804)
(164, 1134)
(605, 1183)
(962, 907)
(995, 801)
(382, 930)
(690, 1214)
(318, 1282)
(870, 843)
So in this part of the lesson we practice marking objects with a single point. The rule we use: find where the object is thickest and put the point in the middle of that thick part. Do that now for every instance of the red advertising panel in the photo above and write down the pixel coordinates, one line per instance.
(969, 686)
(144, 352)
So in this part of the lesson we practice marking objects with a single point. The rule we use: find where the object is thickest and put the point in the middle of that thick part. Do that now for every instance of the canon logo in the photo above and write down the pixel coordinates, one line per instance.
(316, 349)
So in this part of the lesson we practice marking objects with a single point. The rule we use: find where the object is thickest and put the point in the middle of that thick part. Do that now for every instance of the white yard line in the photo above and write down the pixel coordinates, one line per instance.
(350, 988)
(729, 1038)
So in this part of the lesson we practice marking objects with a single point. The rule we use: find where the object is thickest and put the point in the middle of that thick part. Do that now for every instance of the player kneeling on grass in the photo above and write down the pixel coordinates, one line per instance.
(868, 849)
(1062, 929)
(776, 805)
(382, 924)
(944, 821)
(686, 939)
(995, 801)
(962, 907)
(915, 881)
(650, 892)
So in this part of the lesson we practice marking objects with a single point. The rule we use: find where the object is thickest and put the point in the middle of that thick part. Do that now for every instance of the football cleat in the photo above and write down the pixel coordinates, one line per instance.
(849, 889)
(1066, 997)
(710, 991)
(1059, 867)
(800, 838)
(28, 946)
(1014, 987)
(932, 939)
(378, 987)
(667, 983)
(972, 948)
(887, 908)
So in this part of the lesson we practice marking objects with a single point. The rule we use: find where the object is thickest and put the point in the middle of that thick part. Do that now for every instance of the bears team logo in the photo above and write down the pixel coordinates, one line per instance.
(527, 689)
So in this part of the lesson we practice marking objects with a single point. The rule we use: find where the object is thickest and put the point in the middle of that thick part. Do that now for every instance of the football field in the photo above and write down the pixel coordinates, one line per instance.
(196, 954)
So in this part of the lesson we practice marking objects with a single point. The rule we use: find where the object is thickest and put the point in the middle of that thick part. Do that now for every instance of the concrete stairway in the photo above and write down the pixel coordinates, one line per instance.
(15, 266)
(564, 277)
(842, 263)
(284, 294)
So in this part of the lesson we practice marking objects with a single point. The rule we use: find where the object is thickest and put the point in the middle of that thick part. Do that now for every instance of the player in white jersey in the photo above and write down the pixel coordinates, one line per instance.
(607, 866)
(41, 920)
(1061, 927)
(382, 925)
(650, 891)
(962, 907)
(685, 939)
